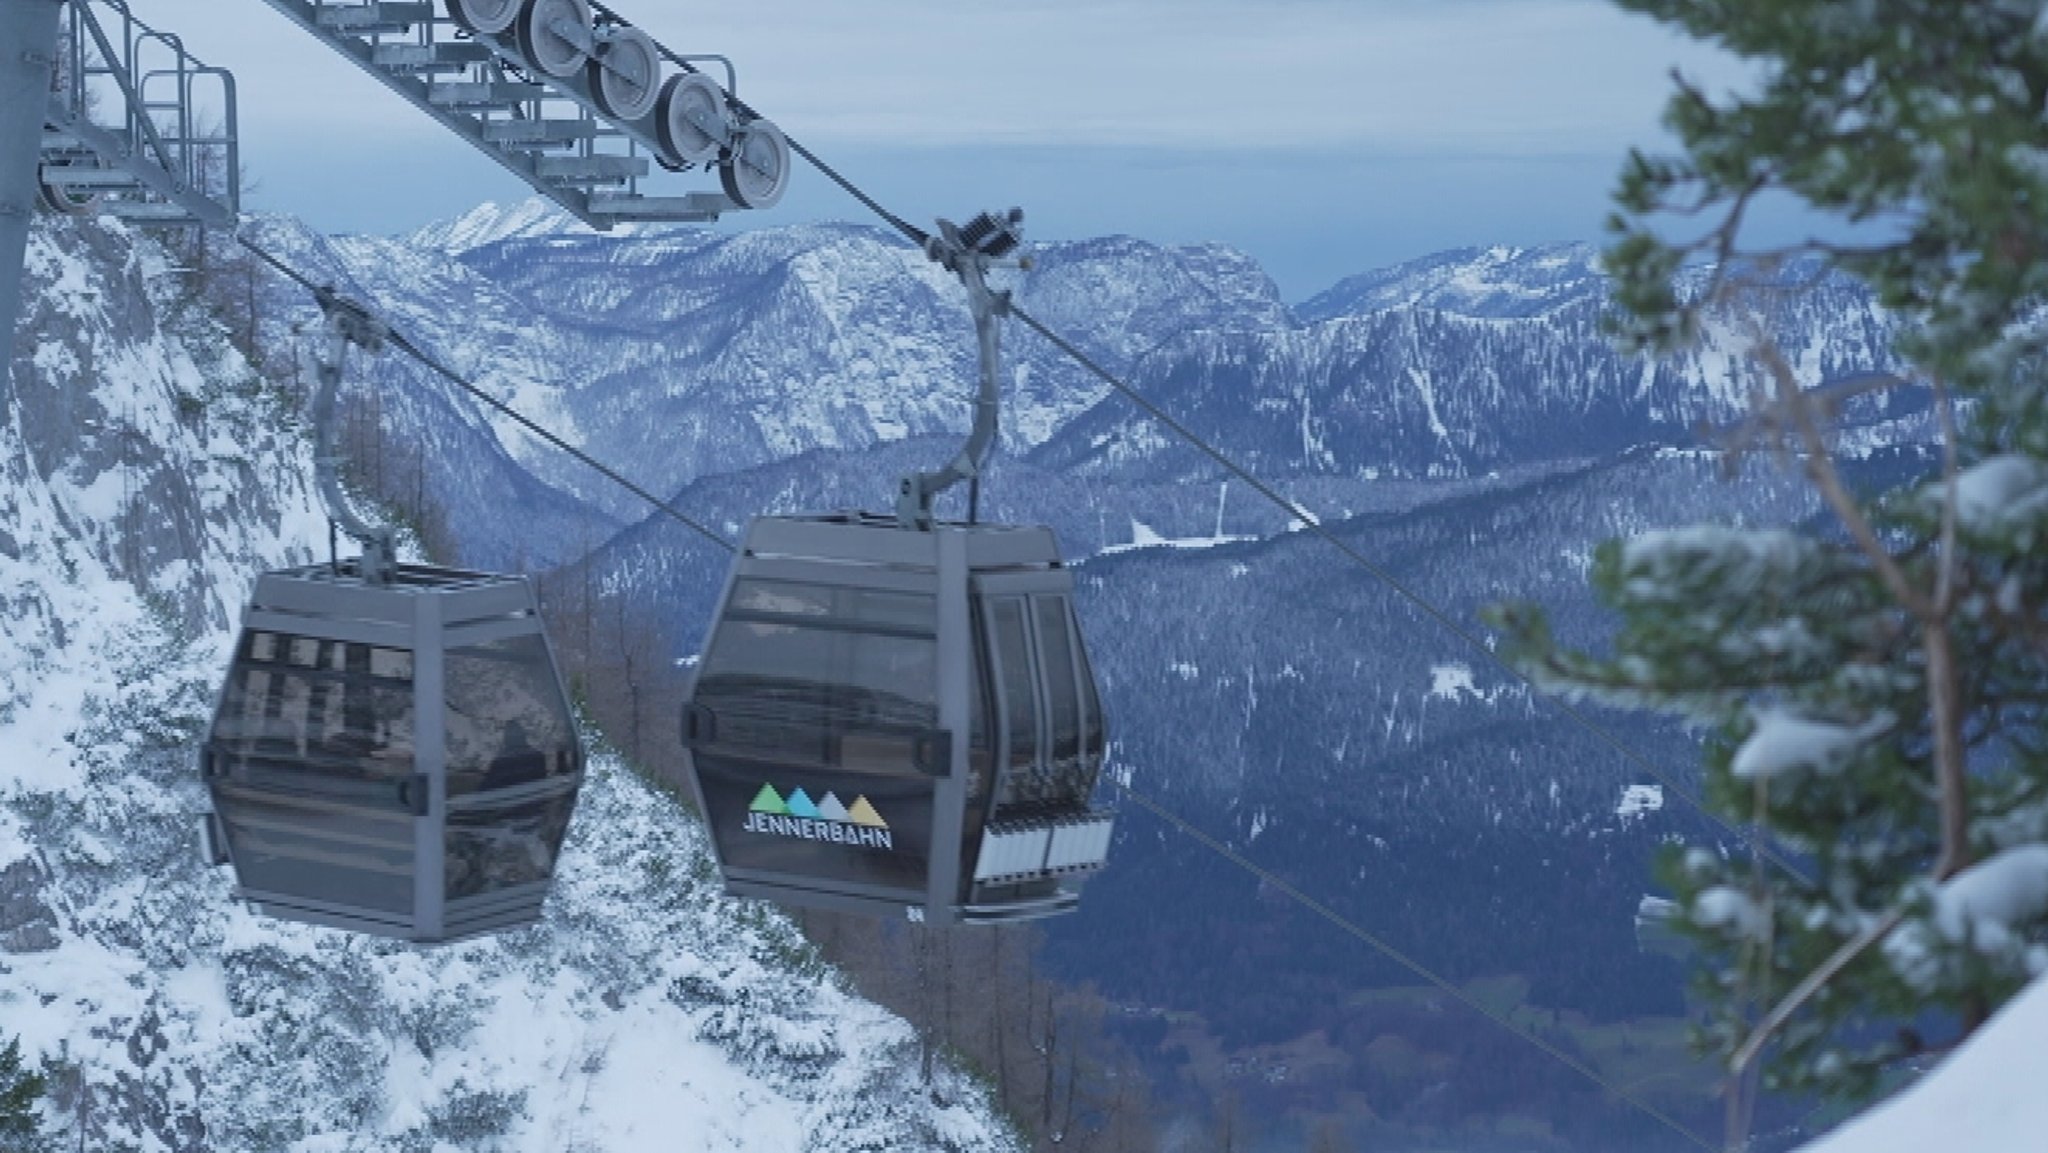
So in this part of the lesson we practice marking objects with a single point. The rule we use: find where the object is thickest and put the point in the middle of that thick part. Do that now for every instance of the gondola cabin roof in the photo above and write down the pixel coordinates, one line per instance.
(336, 592)
(859, 538)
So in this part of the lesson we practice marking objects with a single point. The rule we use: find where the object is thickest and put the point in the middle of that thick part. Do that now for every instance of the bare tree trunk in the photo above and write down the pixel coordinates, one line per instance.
(921, 949)
(1002, 1040)
(1048, 1050)
(1944, 690)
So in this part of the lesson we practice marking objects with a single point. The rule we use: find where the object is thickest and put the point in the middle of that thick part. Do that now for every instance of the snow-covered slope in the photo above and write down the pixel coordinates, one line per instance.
(681, 353)
(1495, 283)
(1463, 364)
(491, 222)
(1985, 1098)
(145, 474)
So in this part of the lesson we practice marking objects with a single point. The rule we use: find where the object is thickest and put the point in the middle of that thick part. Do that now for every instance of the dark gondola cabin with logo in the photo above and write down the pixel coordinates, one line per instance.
(888, 720)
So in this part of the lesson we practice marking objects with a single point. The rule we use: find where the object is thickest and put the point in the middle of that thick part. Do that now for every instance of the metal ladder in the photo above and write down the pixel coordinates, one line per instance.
(137, 127)
(534, 95)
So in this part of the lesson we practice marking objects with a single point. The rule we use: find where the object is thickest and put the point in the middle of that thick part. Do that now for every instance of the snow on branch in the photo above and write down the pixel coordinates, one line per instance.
(1733, 910)
(1982, 904)
(1997, 491)
(1784, 742)
(1743, 560)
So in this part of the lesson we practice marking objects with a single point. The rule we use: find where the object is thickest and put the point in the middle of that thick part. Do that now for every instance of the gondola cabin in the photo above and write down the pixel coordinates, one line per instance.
(395, 758)
(899, 722)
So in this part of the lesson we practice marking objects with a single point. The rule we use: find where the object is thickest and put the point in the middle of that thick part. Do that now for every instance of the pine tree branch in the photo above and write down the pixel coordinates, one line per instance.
(1944, 677)
(1813, 983)
(1819, 465)
(1945, 580)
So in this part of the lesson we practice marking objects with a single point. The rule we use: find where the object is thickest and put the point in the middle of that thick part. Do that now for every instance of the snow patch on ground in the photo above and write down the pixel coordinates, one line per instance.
(1451, 681)
(1144, 536)
(1639, 801)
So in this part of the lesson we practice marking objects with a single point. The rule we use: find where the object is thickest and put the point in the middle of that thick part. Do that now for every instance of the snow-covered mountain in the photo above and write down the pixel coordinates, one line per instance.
(1463, 364)
(1461, 420)
(146, 474)
(682, 354)
(1465, 423)
(490, 222)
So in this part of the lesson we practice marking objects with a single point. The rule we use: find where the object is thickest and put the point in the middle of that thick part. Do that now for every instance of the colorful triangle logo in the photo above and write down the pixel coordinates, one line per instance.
(800, 806)
(769, 801)
(830, 809)
(863, 813)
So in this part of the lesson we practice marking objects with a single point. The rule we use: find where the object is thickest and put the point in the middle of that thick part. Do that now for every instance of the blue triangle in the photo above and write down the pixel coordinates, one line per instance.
(800, 805)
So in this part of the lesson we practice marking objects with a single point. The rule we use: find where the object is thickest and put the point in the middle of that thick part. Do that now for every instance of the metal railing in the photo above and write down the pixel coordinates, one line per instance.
(138, 126)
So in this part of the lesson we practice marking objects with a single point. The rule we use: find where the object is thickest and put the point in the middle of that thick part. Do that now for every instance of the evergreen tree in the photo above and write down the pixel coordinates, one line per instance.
(21, 1126)
(1873, 682)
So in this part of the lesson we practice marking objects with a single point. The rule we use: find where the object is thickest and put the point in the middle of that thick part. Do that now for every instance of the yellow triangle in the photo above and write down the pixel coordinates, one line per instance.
(862, 813)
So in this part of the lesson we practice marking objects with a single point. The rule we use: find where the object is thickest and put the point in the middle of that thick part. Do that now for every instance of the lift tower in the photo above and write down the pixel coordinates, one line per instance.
(28, 55)
(101, 114)
(589, 110)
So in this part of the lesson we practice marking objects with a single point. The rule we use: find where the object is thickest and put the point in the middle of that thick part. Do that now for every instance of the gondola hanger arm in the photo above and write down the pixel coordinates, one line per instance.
(347, 322)
(989, 241)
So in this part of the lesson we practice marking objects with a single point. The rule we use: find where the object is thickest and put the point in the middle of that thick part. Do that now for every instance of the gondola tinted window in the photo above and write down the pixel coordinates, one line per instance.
(507, 722)
(1056, 649)
(838, 677)
(319, 850)
(495, 845)
(314, 742)
(1017, 690)
(1094, 738)
(309, 707)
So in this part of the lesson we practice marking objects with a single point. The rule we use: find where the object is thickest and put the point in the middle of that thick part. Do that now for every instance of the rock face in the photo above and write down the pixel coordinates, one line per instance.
(149, 473)
(27, 923)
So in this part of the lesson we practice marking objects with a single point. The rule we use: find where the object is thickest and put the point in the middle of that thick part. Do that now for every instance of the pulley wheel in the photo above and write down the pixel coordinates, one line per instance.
(545, 48)
(65, 201)
(755, 171)
(692, 124)
(626, 76)
(492, 16)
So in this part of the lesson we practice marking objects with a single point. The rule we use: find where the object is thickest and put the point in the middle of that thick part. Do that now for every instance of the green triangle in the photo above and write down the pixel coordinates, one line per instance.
(768, 801)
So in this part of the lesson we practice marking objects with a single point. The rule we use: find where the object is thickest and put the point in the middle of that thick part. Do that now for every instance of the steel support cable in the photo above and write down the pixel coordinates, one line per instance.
(1349, 927)
(417, 353)
(916, 235)
(1416, 599)
(1414, 966)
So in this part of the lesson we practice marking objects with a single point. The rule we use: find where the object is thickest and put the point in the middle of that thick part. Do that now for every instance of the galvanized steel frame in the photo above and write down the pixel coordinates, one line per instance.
(434, 32)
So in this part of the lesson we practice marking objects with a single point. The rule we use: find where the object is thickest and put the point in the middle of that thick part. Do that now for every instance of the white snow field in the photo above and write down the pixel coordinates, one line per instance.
(1986, 1098)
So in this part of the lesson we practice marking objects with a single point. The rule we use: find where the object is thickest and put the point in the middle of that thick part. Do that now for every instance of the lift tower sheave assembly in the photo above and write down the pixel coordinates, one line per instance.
(569, 97)
(102, 114)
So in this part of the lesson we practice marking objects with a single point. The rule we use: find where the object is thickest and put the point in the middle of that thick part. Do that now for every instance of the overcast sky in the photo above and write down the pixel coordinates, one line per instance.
(1325, 137)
